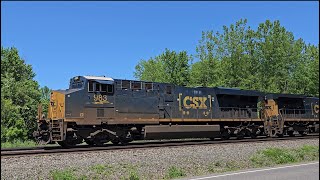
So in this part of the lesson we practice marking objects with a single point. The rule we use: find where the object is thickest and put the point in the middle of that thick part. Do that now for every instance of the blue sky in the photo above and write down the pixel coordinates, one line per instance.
(64, 39)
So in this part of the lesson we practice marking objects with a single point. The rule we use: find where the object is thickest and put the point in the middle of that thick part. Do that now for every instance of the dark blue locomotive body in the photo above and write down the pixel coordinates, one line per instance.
(101, 109)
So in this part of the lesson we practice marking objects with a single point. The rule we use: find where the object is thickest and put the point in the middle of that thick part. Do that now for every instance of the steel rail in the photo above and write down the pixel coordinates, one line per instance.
(138, 145)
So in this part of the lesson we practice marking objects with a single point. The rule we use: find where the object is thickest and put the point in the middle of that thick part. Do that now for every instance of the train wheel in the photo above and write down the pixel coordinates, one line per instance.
(240, 134)
(253, 133)
(302, 133)
(67, 144)
(115, 141)
(225, 134)
(98, 143)
(290, 133)
(280, 135)
(70, 141)
(89, 142)
(124, 142)
(95, 142)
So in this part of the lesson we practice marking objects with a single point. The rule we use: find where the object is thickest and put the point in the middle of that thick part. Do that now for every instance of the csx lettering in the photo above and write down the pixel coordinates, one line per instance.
(316, 108)
(195, 102)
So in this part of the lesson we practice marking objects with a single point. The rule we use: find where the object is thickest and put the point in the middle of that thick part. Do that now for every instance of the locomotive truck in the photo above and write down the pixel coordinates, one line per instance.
(101, 109)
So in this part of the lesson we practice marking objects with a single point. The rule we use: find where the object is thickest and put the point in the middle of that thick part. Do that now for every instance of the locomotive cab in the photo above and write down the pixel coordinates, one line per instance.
(70, 106)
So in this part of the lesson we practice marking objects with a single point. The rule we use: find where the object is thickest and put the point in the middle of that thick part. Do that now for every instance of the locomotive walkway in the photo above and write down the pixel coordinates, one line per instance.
(308, 171)
(137, 145)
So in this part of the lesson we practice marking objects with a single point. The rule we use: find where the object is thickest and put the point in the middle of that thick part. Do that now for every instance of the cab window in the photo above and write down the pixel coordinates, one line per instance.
(76, 84)
(107, 88)
(104, 87)
(98, 87)
(90, 86)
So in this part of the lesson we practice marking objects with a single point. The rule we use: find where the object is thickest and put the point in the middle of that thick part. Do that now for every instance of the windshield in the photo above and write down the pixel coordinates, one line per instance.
(76, 83)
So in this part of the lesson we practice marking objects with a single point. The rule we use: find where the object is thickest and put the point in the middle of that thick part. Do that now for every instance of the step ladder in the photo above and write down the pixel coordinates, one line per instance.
(273, 119)
(273, 125)
(57, 130)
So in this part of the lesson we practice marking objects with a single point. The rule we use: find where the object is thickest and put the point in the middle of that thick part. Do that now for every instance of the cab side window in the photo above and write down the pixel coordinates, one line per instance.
(98, 87)
(90, 86)
(107, 88)
(104, 87)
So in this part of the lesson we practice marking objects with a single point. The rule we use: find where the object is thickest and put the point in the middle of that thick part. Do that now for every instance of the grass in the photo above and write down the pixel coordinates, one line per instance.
(269, 157)
(18, 144)
(102, 170)
(133, 175)
(220, 167)
(276, 156)
(99, 169)
(216, 167)
(175, 172)
(63, 175)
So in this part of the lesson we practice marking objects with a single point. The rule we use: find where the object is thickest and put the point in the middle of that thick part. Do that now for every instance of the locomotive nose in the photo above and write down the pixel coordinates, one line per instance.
(57, 105)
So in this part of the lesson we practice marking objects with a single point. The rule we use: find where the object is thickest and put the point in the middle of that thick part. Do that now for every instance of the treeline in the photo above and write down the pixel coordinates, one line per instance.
(268, 59)
(20, 96)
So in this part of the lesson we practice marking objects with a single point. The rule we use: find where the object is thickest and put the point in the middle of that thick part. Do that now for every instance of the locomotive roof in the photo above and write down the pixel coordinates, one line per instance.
(103, 78)
(236, 91)
(220, 90)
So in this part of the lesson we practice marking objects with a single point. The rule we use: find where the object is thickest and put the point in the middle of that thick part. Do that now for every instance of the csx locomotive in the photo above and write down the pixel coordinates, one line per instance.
(101, 109)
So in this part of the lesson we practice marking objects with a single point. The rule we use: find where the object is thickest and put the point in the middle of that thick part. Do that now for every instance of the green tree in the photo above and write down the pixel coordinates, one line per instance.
(226, 59)
(45, 93)
(279, 54)
(314, 85)
(268, 59)
(312, 70)
(206, 72)
(234, 54)
(169, 67)
(45, 99)
(20, 96)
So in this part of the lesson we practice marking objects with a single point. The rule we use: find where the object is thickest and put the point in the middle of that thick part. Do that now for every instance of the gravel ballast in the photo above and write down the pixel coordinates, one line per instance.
(152, 163)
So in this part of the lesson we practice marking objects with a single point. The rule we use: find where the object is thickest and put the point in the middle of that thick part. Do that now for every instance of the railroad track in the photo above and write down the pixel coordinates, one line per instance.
(138, 145)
